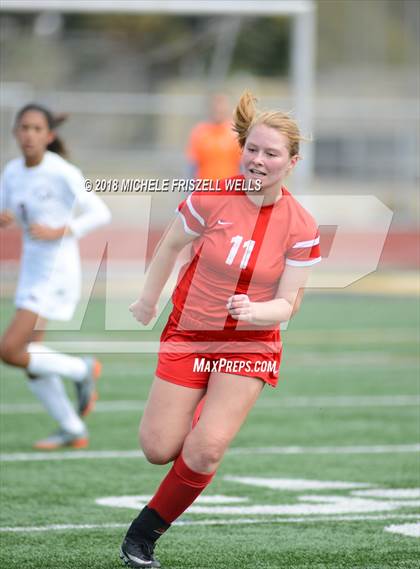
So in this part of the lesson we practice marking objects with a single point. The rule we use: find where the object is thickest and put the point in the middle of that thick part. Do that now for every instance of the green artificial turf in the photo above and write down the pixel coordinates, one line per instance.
(347, 362)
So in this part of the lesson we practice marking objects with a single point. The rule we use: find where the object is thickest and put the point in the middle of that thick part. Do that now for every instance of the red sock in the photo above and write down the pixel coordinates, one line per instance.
(178, 490)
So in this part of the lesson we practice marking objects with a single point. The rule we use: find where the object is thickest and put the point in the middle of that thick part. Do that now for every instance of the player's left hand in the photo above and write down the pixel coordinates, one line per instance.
(241, 308)
(45, 233)
(142, 311)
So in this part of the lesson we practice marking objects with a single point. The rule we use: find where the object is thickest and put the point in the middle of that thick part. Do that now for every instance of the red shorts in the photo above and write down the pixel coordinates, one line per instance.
(188, 357)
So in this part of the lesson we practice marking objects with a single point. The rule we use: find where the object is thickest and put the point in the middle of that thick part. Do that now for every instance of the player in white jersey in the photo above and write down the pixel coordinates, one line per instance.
(41, 191)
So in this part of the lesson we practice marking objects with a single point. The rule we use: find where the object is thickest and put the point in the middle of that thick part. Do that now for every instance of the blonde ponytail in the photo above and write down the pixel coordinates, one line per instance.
(244, 116)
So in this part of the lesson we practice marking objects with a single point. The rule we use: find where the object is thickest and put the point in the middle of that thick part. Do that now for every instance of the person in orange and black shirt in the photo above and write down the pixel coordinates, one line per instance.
(213, 151)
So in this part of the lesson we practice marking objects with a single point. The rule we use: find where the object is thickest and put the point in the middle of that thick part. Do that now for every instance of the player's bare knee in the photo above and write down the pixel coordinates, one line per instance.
(156, 456)
(211, 456)
(154, 449)
(204, 454)
(8, 351)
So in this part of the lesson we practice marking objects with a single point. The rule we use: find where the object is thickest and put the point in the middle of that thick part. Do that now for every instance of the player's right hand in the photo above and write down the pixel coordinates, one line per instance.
(6, 217)
(143, 311)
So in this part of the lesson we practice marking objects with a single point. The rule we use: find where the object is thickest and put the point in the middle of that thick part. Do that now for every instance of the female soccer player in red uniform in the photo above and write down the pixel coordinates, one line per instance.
(250, 257)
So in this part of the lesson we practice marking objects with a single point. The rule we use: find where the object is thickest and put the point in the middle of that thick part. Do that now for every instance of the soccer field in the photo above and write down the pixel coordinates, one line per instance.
(324, 474)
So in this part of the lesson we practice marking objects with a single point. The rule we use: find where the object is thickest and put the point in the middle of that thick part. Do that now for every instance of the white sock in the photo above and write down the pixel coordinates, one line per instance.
(49, 389)
(44, 361)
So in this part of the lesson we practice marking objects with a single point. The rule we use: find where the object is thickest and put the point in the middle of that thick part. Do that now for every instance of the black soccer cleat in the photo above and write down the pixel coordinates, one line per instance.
(138, 554)
(139, 543)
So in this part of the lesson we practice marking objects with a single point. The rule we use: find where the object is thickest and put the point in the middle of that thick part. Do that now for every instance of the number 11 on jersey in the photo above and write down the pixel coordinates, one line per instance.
(236, 243)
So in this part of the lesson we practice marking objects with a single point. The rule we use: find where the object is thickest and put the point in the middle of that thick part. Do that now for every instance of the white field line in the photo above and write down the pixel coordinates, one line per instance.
(351, 358)
(273, 403)
(101, 407)
(111, 454)
(368, 449)
(305, 337)
(213, 522)
(410, 530)
(342, 401)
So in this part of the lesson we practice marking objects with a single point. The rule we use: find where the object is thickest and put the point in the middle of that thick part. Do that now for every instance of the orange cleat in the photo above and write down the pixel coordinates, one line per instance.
(62, 439)
(87, 394)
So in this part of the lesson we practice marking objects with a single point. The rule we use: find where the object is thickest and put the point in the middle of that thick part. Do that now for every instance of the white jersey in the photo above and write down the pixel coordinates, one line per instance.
(50, 194)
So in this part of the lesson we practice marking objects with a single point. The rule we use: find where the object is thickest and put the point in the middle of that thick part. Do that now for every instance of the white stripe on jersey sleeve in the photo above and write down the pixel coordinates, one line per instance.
(302, 244)
(194, 212)
(294, 263)
(184, 223)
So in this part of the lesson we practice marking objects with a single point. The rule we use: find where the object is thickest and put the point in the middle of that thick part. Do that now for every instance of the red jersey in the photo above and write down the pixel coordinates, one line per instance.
(241, 248)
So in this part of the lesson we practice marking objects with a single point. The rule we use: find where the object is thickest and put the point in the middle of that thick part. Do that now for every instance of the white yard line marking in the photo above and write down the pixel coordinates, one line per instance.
(343, 401)
(368, 449)
(306, 505)
(69, 455)
(212, 522)
(389, 493)
(410, 530)
(394, 336)
(138, 502)
(295, 484)
(273, 403)
(110, 454)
